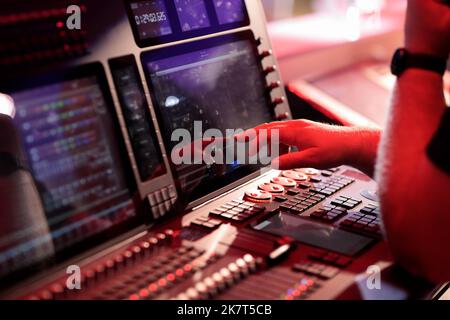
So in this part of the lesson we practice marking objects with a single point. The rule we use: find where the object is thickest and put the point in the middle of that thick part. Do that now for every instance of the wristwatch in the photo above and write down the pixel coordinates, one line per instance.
(9, 164)
(404, 60)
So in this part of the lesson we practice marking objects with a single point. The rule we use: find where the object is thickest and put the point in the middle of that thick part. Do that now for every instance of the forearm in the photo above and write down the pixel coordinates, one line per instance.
(414, 193)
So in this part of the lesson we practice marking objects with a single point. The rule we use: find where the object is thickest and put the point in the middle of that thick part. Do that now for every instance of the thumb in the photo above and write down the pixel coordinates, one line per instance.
(302, 159)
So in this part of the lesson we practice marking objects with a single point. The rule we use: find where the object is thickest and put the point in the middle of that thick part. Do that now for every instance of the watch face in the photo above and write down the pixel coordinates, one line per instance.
(398, 62)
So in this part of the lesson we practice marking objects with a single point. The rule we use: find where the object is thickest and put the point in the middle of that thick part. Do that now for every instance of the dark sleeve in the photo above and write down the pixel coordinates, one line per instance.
(439, 148)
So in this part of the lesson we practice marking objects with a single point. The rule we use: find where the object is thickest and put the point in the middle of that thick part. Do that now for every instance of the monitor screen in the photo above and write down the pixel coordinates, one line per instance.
(156, 22)
(230, 11)
(217, 83)
(71, 142)
(192, 14)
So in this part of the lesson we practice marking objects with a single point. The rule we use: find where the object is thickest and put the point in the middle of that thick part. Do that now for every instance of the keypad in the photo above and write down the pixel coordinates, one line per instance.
(329, 186)
(371, 210)
(330, 258)
(329, 213)
(316, 269)
(162, 201)
(346, 202)
(207, 223)
(238, 211)
(302, 202)
(365, 223)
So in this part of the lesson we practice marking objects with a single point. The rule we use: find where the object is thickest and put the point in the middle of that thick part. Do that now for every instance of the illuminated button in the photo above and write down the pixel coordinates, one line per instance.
(234, 270)
(110, 265)
(248, 258)
(258, 196)
(169, 233)
(89, 276)
(136, 250)
(270, 70)
(201, 288)
(210, 283)
(182, 297)
(128, 256)
(285, 182)
(308, 171)
(226, 274)
(188, 268)
(153, 241)
(271, 187)
(171, 277)
(153, 287)
(100, 271)
(118, 260)
(179, 273)
(161, 237)
(46, 295)
(219, 281)
(134, 297)
(57, 290)
(233, 267)
(145, 245)
(241, 263)
(192, 294)
(297, 176)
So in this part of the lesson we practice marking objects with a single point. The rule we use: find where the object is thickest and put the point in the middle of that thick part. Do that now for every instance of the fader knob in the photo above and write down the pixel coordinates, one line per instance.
(285, 182)
(297, 176)
(271, 187)
(258, 196)
(308, 171)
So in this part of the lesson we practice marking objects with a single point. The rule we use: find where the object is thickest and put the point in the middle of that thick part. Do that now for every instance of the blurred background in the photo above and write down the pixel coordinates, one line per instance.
(289, 8)
(337, 54)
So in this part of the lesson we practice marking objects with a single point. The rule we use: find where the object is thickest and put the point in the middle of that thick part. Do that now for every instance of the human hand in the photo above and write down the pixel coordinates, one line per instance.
(324, 146)
(427, 29)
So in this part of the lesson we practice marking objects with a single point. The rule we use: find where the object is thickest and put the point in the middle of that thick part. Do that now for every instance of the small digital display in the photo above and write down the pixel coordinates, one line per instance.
(315, 234)
(156, 22)
(151, 18)
(192, 14)
(230, 11)
(196, 82)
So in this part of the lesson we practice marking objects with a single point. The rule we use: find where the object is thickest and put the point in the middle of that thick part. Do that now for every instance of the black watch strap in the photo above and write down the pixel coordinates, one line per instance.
(9, 164)
(404, 60)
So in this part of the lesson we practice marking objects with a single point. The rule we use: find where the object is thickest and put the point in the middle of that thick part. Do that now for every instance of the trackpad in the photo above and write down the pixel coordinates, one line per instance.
(315, 234)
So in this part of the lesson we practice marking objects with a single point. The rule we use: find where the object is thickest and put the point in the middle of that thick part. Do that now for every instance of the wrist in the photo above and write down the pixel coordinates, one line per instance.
(362, 150)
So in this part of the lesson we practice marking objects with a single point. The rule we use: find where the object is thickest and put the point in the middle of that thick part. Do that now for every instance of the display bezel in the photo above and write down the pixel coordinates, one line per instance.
(96, 70)
(177, 33)
(163, 53)
(129, 61)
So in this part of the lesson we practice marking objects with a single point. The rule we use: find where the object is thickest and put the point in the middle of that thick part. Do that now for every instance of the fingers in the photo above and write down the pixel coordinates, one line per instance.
(302, 159)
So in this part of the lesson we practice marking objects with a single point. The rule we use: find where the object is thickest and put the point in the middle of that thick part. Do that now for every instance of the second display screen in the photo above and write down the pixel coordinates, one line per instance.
(161, 21)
